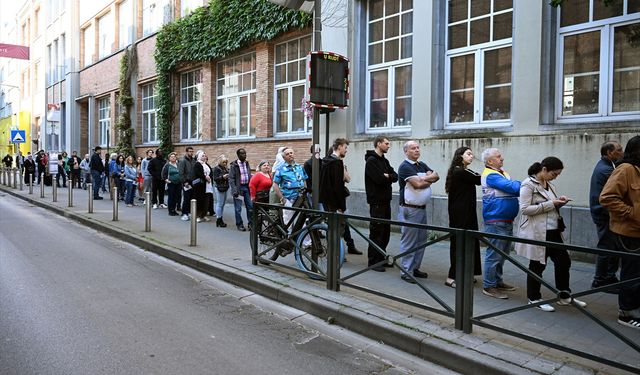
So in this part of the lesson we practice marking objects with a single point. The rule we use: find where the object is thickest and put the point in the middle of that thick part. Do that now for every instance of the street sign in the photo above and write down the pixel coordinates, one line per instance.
(18, 136)
(327, 80)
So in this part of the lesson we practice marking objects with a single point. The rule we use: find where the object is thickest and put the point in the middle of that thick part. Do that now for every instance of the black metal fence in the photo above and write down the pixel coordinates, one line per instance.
(268, 217)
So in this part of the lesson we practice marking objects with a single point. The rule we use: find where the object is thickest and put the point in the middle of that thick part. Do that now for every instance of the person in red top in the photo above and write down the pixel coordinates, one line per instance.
(260, 183)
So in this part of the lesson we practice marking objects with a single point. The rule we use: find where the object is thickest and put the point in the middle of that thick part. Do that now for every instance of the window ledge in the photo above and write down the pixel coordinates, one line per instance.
(608, 125)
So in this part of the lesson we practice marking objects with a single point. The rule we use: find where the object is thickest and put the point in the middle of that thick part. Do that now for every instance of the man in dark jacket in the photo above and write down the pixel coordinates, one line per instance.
(157, 184)
(185, 169)
(7, 161)
(74, 167)
(239, 176)
(378, 178)
(97, 169)
(606, 265)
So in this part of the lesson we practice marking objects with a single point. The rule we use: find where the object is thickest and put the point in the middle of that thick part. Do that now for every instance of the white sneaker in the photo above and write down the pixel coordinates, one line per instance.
(155, 206)
(185, 217)
(199, 220)
(567, 301)
(544, 307)
(162, 205)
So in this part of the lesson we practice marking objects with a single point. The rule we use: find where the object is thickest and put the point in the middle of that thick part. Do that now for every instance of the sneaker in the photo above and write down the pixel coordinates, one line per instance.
(494, 292)
(506, 287)
(162, 205)
(129, 205)
(544, 307)
(185, 217)
(155, 206)
(629, 321)
(567, 301)
(199, 220)
(206, 219)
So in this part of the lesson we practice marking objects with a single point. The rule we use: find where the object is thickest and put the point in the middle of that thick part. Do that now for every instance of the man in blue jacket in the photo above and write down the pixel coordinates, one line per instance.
(606, 266)
(499, 209)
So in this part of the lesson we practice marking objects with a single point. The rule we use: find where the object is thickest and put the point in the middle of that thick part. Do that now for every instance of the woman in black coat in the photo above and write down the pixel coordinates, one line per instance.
(201, 176)
(461, 187)
(29, 169)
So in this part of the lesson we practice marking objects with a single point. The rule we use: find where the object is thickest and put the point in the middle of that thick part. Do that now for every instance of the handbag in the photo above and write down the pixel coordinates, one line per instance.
(561, 225)
(346, 192)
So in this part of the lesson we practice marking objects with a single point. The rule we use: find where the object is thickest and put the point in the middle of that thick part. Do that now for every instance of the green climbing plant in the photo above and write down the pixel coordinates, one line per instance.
(128, 67)
(209, 33)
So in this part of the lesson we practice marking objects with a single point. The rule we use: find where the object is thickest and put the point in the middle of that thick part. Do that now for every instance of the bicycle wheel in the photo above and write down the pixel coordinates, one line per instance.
(268, 236)
(312, 249)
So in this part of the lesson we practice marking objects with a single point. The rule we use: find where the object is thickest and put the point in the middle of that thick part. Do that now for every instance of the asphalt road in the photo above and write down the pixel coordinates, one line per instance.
(74, 301)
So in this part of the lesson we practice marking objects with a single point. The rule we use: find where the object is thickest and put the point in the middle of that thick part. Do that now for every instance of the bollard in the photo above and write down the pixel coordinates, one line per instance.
(42, 185)
(70, 196)
(2, 175)
(54, 190)
(114, 191)
(147, 212)
(20, 179)
(90, 193)
(30, 183)
(194, 223)
(15, 178)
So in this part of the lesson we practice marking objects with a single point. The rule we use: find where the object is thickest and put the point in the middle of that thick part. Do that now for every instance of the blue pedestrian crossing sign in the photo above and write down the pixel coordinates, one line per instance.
(18, 136)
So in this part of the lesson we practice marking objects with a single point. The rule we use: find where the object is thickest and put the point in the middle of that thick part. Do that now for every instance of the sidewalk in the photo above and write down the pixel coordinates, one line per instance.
(225, 254)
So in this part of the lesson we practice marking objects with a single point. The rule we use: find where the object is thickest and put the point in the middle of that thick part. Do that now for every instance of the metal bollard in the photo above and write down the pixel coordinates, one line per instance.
(15, 178)
(30, 183)
(90, 193)
(20, 178)
(42, 185)
(70, 196)
(194, 223)
(54, 190)
(147, 212)
(2, 175)
(115, 203)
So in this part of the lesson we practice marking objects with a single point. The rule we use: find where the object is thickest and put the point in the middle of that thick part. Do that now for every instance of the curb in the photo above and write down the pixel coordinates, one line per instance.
(431, 348)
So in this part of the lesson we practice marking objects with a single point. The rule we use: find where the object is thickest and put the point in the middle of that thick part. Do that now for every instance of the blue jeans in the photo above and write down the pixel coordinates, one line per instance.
(493, 260)
(243, 194)
(128, 199)
(221, 197)
(96, 177)
(411, 237)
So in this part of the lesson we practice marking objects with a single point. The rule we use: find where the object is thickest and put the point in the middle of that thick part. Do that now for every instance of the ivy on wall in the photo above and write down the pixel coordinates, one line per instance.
(128, 67)
(210, 33)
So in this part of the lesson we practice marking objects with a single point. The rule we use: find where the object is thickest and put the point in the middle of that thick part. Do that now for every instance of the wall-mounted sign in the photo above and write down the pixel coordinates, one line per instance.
(327, 80)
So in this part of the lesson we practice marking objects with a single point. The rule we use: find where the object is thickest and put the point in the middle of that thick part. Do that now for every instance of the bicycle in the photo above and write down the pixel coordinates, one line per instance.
(305, 235)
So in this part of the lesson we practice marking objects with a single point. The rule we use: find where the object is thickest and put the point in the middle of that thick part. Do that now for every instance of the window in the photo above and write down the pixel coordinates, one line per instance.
(237, 97)
(25, 34)
(54, 61)
(61, 55)
(105, 35)
(89, 45)
(36, 22)
(188, 6)
(36, 78)
(598, 60)
(190, 105)
(155, 13)
(149, 117)
(49, 72)
(478, 62)
(104, 121)
(389, 57)
(290, 70)
(125, 24)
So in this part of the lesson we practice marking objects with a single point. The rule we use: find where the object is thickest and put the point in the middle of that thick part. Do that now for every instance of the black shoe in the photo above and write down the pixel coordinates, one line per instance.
(408, 279)
(352, 250)
(173, 213)
(420, 274)
(387, 265)
(241, 228)
(97, 198)
(220, 223)
(601, 283)
(379, 269)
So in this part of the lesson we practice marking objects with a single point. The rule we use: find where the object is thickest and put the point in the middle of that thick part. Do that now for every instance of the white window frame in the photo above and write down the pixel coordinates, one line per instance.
(149, 114)
(225, 100)
(106, 30)
(194, 108)
(390, 67)
(104, 120)
(478, 50)
(155, 13)
(605, 73)
(293, 104)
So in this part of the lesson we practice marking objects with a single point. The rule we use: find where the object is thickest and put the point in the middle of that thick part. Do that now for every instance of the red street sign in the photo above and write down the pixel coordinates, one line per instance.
(14, 51)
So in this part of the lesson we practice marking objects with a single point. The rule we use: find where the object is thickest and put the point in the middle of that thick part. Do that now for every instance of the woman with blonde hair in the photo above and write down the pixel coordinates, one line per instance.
(221, 179)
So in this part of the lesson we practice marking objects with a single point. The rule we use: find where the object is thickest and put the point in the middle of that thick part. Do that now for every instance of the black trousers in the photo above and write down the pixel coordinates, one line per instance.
(379, 233)
(561, 266)
(157, 191)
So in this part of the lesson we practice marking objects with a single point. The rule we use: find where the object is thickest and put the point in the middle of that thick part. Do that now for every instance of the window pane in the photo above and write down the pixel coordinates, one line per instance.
(480, 31)
(626, 70)
(633, 6)
(574, 12)
(375, 9)
(580, 95)
(378, 115)
(581, 73)
(292, 71)
(407, 47)
(391, 7)
(281, 74)
(497, 103)
(298, 117)
(292, 50)
(305, 46)
(244, 115)
(222, 119)
(457, 10)
(184, 121)
(246, 82)
(403, 81)
(145, 127)
(252, 115)
(233, 117)
(375, 31)
(602, 11)
(302, 69)
(502, 25)
(195, 131)
(407, 23)
(480, 7)
(391, 27)
(582, 53)
(497, 66)
(375, 53)
(391, 50)
(462, 72)
(458, 36)
(499, 5)
(403, 96)
(461, 103)
(407, 4)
